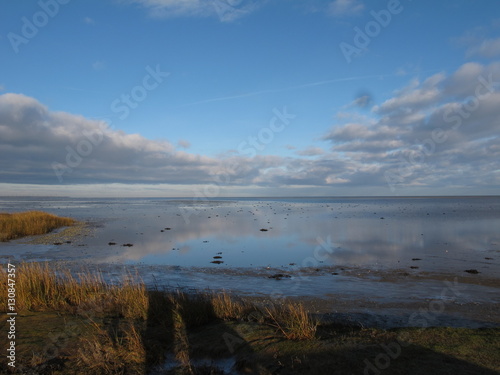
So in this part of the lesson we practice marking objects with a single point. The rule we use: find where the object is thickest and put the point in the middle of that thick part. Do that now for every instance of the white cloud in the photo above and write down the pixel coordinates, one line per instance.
(88, 20)
(429, 131)
(341, 8)
(487, 48)
(481, 41)
(183, 143)
(225, 10)
(431, 135)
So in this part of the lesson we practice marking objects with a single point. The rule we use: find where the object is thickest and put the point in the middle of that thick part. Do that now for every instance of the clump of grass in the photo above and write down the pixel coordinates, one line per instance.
(226, 307)
(293, 321)
(116, 352)
(40, 288)
(30, 223)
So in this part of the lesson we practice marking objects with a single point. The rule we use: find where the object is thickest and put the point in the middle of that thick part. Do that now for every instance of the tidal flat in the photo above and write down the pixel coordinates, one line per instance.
(426, 265)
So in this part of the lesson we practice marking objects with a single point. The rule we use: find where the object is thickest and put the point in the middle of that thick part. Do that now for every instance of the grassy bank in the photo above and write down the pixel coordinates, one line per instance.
(80, 324)
(30, 223)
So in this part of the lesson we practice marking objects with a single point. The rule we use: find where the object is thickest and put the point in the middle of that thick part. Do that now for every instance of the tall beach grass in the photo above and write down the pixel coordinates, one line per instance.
(30, 223)
(136, 311)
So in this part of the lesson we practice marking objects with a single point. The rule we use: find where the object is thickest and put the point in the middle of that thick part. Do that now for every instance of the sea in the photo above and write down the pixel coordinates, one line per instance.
(384, 248)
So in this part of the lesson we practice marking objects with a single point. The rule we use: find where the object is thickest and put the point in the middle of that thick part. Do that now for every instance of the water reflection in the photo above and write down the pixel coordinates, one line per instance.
(444, 234)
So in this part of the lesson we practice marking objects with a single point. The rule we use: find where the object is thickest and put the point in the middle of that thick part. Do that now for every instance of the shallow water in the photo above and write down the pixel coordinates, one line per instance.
(336, 236)
(447, 234)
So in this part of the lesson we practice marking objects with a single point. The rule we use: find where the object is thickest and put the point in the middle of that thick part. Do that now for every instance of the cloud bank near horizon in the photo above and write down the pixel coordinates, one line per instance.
(438, 133)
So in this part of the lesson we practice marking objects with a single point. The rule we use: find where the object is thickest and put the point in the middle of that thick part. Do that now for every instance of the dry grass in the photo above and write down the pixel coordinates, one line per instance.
(134, 311)
(40, 287)
(293, 321)
(30, 223)
(113, 352)
(227, 308)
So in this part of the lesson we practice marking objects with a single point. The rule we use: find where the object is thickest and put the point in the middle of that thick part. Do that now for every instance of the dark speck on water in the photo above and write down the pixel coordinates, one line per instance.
(472, 271)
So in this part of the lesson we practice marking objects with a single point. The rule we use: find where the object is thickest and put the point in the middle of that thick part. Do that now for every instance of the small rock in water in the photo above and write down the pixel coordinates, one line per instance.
(58, 243)
(217, 261)
(279, 276)
(416, 259)
(263, 230)
(128, 244)
(111, 243)
(473, 271)
(414, 267)
(217, 257)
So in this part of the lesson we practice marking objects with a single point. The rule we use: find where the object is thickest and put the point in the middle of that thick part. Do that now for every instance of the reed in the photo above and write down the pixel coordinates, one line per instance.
(40, 287)
(30, 223)
(293, 321)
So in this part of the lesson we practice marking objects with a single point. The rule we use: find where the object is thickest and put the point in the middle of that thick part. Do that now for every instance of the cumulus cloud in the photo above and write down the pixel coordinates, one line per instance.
(441, 132)
(481, 41)
(487, 48)
(37, 145)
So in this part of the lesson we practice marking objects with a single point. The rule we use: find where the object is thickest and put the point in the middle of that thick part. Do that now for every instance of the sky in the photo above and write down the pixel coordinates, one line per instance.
(212, 98)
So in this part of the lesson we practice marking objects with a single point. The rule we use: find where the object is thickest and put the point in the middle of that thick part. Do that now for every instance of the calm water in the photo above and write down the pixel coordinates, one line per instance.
(445, 233)
(357, 237)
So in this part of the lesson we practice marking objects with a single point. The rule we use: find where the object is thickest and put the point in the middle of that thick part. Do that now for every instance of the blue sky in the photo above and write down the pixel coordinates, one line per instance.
(238, 97)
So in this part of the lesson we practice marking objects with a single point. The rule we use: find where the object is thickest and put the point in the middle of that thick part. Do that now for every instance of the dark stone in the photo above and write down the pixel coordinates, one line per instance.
(473, 271)
(279, 276)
